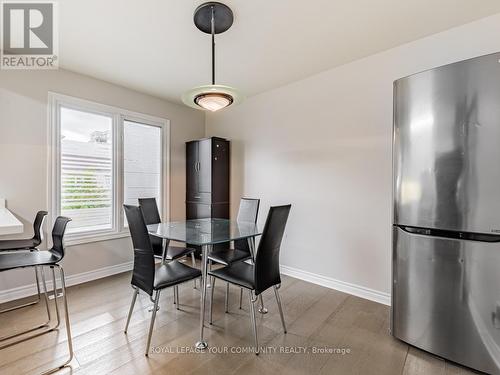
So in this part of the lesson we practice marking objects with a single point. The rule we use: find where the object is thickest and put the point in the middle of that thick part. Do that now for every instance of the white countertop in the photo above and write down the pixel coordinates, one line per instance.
(9, 224)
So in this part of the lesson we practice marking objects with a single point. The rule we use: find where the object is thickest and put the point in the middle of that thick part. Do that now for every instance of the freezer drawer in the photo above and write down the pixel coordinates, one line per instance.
(446, 297)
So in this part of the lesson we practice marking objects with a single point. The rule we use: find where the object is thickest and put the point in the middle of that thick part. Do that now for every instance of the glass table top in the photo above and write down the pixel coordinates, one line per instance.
(204, 231)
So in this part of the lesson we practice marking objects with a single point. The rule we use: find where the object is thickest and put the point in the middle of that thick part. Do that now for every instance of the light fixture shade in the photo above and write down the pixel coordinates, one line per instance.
(213, 101)
(212, 97)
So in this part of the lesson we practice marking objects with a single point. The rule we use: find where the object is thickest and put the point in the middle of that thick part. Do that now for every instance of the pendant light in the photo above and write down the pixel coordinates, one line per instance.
(212, 18)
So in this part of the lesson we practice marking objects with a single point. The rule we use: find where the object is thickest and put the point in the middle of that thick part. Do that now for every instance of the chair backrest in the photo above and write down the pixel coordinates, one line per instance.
(150, 210)
(37, 227)
(58, 235)
(267, 260)
(152, 216)
(248, 212)
(143, 274)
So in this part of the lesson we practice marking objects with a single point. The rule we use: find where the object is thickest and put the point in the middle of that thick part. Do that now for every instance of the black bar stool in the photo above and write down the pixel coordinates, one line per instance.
(27, 244)
(51, 258)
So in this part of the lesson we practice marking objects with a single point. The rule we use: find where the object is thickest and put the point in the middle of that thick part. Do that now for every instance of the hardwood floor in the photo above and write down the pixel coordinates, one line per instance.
(318, 320)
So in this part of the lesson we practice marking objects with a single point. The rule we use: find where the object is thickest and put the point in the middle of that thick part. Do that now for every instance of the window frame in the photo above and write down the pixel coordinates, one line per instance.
(118, 116)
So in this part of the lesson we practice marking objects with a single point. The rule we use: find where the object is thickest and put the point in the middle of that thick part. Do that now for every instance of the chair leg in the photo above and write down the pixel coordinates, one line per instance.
(37, 327)
(55, 294)
(37, 280)
(157, 299)
(38, 299)
(254, 323)
(66, 311)
(212, 299)
(45, 293)
(241, 296)
(68, 327)
(262, 309)
(176, 296)
(226, 302)
(193, 262)
(278, 301)
(134, 297)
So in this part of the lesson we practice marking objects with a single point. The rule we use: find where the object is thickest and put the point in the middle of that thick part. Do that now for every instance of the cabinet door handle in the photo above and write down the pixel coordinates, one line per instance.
(196, 197)
(199, 166)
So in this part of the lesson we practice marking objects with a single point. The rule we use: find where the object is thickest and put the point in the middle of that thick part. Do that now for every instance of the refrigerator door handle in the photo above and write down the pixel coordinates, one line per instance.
(468, 236)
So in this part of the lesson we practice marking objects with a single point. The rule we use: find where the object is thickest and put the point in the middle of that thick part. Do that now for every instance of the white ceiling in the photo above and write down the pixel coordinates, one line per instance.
(154, 47)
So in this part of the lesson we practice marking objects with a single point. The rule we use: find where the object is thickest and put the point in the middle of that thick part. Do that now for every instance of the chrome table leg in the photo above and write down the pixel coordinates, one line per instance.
(164, 244)
(193, 262)
(202, 344)
(212, 299)
(209, 285)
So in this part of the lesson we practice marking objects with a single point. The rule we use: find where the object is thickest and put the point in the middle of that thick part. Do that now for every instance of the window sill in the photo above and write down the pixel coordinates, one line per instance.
(79, 239)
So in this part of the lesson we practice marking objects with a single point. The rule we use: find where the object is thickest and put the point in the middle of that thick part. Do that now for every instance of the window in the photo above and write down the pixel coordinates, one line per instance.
(86, 170)
(142, 162)
(102, 157)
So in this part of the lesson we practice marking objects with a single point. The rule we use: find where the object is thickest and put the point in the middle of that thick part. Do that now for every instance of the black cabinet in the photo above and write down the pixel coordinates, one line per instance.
(207, 178)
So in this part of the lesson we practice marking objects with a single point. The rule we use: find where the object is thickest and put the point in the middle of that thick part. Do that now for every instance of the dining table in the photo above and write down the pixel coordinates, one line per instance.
(205, 233)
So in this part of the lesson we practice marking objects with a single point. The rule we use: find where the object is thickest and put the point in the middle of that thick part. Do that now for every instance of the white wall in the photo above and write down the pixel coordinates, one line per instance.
(23, 154)
(324, 145)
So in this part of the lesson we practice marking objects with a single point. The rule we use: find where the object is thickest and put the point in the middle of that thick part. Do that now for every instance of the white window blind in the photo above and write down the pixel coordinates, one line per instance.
(142, 153)
(86, 170)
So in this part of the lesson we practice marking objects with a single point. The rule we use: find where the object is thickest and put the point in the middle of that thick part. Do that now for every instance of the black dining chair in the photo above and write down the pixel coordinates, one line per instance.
(152, 216)
(147, 276)
(49, 258)
(247, 212)
(27, 244)
(265, 272)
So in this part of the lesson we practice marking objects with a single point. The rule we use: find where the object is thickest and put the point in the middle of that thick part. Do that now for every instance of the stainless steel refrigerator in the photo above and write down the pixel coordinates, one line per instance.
(446, 232)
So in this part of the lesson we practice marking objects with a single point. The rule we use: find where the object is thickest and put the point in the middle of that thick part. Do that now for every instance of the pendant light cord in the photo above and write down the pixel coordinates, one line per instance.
(213, 44)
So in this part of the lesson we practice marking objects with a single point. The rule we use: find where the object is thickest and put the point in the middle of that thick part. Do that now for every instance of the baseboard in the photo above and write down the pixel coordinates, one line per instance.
(355, 290)
(80, 278)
